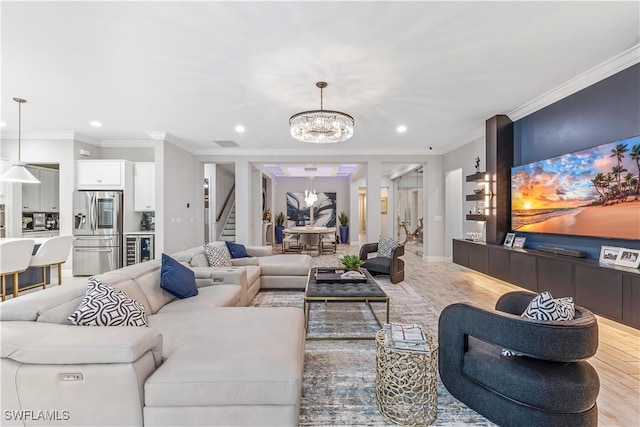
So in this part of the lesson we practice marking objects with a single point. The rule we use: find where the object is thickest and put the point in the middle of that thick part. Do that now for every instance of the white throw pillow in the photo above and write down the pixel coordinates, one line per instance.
(106, 306)
(386, 245)
(545, 307)
(218, 256)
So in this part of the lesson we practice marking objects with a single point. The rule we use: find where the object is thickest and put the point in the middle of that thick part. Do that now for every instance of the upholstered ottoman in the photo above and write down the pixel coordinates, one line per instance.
(285, 271)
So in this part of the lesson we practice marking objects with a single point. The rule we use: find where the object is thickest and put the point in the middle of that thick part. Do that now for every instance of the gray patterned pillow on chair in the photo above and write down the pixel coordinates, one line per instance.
(386, 245)
(218, 255)
(545, 307)
(107, 306)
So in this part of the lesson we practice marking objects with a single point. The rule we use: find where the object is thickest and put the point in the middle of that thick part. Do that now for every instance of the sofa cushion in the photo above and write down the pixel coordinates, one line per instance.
(386, 245)
(209, 297)
(208, 362)
(147, 276)
(237, 250)
(177, 279)
(195, 257)
(285, 265)
(218, 256)
(106, 306)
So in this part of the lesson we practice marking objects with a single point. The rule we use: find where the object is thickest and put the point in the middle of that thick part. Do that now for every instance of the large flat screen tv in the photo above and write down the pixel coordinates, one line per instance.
(593, 192)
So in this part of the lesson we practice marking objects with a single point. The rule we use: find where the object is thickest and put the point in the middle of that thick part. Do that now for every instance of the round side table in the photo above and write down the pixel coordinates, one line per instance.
(406, 383)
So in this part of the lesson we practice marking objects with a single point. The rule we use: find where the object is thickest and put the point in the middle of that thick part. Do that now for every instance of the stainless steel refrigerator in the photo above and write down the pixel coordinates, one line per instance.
(97, 230)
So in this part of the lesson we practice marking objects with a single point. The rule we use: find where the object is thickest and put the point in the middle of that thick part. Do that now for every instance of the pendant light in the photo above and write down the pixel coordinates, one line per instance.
(19, 173)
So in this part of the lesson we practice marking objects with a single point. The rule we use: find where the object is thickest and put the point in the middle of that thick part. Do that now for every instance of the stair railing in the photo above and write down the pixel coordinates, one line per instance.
(225, 213)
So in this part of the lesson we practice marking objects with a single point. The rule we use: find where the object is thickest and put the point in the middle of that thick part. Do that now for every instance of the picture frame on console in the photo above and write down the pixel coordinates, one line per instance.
(518, 242)
(609, 254)
(628, 258)
(508, 241)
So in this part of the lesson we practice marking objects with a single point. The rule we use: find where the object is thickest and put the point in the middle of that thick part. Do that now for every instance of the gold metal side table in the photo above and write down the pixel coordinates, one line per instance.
(406, 383)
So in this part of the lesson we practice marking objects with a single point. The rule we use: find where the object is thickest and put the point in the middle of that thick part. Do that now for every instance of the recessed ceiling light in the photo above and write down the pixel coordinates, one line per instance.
(401, 129)
(2, 124)
(240, 129)
(96, 124)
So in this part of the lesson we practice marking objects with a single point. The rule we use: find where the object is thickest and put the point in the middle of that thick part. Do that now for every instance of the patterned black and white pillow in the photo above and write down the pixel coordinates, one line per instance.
(386, 245)
(218, 256)
(545, 307)
(107, 306)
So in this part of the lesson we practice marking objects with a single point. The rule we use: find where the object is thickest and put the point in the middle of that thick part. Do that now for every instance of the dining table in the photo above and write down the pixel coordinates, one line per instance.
(311, 237)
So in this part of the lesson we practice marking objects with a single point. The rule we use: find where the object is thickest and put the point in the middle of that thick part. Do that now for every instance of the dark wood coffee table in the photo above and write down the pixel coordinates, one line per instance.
(343, 291)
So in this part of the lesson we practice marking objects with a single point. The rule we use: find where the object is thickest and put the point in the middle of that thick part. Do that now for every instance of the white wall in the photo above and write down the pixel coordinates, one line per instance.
(454, 210)
(182, 201)
(133, 154)
(464, 158)
(434, 224)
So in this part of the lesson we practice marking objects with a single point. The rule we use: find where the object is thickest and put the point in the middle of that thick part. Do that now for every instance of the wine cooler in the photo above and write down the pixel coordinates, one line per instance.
(138, 248)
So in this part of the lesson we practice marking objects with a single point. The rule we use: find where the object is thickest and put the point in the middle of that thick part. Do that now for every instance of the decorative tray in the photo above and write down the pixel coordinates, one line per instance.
(334, 275)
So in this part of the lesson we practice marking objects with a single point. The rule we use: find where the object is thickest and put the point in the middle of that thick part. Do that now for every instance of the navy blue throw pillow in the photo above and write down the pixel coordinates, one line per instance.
(177, 279)
(237, 250)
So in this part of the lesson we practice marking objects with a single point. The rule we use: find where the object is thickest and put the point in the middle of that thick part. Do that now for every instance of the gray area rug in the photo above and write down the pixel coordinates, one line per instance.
(339, 376)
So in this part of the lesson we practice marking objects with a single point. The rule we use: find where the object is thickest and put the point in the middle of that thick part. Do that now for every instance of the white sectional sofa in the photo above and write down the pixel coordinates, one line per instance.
(203, 360)
(261, 270)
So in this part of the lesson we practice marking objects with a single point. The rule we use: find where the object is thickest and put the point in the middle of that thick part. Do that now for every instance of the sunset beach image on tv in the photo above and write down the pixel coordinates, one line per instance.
(593, 192)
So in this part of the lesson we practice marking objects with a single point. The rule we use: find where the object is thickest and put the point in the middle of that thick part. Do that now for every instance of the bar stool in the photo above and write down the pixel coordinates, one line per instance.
(53, 251)
(14, 259)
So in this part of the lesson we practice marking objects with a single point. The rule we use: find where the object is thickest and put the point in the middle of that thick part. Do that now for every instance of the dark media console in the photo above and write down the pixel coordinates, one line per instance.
(562, 251)
(608, 290)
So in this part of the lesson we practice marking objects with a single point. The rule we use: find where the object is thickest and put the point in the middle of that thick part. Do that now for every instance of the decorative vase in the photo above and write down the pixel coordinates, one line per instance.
(344, 234)
(278, 230)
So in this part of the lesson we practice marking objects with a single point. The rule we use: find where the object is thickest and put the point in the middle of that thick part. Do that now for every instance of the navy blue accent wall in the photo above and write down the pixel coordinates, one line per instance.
(605, 112)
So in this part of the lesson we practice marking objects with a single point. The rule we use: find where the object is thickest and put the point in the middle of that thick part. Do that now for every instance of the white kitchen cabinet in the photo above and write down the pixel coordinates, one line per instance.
(100, 175)
(31, 193)
(49, 190)
(43, 197)
(144, 183)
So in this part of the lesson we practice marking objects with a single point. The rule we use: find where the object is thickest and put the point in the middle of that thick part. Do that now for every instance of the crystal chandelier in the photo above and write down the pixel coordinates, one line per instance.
(310, 196)
(19, 173)
(321, 126)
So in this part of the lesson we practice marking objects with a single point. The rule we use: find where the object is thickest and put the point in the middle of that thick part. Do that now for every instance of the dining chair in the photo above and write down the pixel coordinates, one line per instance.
(291, 243)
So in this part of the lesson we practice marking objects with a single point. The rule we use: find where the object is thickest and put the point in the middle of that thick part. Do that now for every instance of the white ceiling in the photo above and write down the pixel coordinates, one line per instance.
(198, 69)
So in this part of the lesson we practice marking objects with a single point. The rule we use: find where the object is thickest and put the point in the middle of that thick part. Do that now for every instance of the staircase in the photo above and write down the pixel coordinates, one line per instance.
(229, 229)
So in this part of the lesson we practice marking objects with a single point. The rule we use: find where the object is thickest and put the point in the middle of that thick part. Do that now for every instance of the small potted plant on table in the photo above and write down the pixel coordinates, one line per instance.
(351, 262)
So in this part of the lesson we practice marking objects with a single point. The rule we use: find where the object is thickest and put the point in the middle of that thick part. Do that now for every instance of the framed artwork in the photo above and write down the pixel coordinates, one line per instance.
(609, 254)
(383, 205)
(628, 258)
(518, 242)
(324, 210)
(508, 241)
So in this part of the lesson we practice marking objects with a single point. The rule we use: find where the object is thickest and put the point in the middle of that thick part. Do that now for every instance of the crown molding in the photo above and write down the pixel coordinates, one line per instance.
(598, 73)
(167, 137)
(283, 152)
(136, 143)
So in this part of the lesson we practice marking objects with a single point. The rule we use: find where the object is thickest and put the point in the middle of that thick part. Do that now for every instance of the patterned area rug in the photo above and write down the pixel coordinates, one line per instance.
(339, 376)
